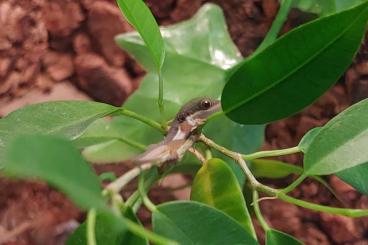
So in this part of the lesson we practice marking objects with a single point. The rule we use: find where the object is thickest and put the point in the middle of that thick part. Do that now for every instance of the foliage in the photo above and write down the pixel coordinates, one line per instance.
(192, 59)
(324, 7)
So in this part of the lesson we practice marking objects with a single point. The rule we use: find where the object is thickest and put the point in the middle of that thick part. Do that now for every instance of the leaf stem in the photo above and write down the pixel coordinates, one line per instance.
(135, 201)
(274, 153)
(354, 213)
(197, 154)
(123, 180)
(258, 212)
(142, 232)
(285, 6)
(141, 118)
(142, 191)
(295, 184)
(91, 223)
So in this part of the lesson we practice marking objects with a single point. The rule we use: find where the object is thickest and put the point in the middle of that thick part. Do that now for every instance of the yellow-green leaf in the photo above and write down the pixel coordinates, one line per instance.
(216, 185)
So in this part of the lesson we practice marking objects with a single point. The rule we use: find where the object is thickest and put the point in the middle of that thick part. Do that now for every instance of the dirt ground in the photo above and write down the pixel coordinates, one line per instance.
(51, 50)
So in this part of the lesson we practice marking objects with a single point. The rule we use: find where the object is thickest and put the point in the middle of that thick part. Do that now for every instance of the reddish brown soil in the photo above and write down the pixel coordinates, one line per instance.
(51, 50)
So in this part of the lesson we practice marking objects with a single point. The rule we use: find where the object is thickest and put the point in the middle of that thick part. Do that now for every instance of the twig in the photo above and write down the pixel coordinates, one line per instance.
(275, 153)
(123, 180)
(197, 154)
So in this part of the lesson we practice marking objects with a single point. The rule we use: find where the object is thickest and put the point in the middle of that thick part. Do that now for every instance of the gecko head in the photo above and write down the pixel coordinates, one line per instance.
(196, 111)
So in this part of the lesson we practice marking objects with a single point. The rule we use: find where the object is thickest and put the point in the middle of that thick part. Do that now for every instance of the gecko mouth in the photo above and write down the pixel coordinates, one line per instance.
(201, 116)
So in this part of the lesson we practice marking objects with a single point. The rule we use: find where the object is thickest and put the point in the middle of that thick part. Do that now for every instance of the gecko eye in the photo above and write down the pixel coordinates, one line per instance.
(181, 117)
(206, 104)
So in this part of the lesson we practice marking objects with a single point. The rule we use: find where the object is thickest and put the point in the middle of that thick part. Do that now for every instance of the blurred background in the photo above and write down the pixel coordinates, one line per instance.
(65, 49)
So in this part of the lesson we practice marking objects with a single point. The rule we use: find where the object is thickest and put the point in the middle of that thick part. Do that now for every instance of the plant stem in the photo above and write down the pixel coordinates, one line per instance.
(141, 118)
(234, 155)
(153, 237)
(91, 223)
(354, 213)
(285, 6)
(123, 180)
(132, 201)
(275, 153)
(142, 191)
(295, 184)
(255, 185)
(197, 154)
(258, 212)
(160, 100)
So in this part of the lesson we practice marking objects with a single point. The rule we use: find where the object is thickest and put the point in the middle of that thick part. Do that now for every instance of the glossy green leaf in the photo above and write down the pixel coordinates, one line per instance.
(139, 15)
(308, 139)
(64, 118)
(274, 237)
(56, 161)
(324, 7)
(356, 177)
(284, 78)
(341, 144)
(216, 185)
(196, 223)
(208, 41)
(200, 59)
(273, 169)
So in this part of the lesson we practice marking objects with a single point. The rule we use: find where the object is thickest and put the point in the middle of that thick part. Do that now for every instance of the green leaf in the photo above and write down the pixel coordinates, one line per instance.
(273, 169)
(308, 139)
(341, 143)
(139, 15)
(208, 41)
(113, 150)
(64, 118)
(201, 59)
(324, 7)
(56, 161)
(274, 237)
(216, 185)
(356, 177)
(196, 223)
(109, 230)
(244, 138)
(285, 78)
